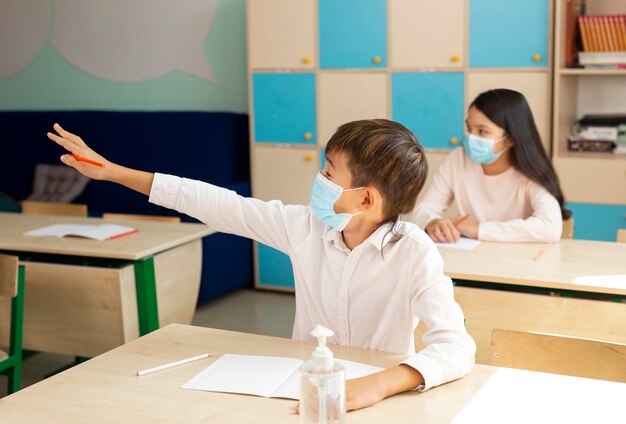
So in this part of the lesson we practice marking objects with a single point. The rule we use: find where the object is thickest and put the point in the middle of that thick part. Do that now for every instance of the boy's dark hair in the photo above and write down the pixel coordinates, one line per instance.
(509, 110)
(383, 154)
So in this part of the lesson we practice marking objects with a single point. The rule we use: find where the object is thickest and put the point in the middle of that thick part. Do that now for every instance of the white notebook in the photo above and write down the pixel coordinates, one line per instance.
(95, 232)
(268, 376)
(462, 244)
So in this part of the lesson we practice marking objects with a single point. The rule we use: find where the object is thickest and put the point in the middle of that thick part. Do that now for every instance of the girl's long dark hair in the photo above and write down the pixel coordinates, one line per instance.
(509, 110)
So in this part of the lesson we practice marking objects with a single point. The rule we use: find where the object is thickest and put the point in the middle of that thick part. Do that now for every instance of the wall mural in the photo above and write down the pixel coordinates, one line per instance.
(116, 40)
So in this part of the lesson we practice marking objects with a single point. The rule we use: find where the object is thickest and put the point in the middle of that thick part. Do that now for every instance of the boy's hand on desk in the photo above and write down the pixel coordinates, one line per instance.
(366, 391)
(363, 392)
(97, 167)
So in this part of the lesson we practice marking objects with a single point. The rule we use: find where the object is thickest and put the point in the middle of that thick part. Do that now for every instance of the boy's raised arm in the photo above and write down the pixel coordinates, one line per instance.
(137, 180)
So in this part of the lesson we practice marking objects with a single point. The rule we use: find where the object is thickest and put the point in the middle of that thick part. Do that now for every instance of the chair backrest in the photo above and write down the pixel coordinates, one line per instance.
(559, 354)
(8, 275)
(51, 208)
(621, 236)
(568, 228)
(57, 183)
(132, 217)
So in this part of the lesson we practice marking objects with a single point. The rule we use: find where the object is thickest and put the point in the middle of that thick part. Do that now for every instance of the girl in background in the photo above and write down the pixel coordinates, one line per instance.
(501, 179)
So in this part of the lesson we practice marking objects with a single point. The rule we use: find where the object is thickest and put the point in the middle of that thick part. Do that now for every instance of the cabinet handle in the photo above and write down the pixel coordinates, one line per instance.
(306, 60)
(454, 141)
(308, 157)
(308, 136)
(537, 58)
(377, 59)
(454, 58)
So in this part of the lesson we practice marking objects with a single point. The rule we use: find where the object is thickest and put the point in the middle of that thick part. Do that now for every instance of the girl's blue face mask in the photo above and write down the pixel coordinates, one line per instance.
(324, 195)
(480, 149)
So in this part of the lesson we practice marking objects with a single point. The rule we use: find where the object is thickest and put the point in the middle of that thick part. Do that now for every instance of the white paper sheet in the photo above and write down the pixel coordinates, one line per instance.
(268, 376)
(462, 244)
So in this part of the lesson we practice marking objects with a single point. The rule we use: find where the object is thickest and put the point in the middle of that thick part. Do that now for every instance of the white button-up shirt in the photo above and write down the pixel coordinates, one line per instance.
(371, 297)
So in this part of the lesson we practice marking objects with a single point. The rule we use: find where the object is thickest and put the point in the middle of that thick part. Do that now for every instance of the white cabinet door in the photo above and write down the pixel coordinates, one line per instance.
(345, 97)
(282, 34)
(285, 174)
(427, 33)
(534, 86)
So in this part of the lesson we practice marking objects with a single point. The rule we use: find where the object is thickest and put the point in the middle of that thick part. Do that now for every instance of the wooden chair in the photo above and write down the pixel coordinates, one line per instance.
(621, 236)
(132, 217)
(568, 228)
(12, 287)
(556, 354)
(51, 208)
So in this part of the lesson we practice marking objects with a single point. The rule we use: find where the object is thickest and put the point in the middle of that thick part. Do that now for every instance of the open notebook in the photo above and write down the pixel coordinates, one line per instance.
(268, 376)
(95, 232)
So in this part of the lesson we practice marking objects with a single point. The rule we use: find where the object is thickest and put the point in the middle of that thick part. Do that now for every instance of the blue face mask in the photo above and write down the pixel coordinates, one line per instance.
(480, 149)
(323, 197)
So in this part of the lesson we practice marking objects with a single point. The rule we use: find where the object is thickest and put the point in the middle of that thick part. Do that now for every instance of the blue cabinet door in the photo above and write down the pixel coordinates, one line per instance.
(353, 33)
(284, 108)
(511, 33)
(597, 222)
(275, 268)
(430, 105)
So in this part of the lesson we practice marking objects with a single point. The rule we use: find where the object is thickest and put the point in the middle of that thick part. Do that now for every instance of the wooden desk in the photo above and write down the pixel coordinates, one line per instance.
(105, 389)
(518, 294)
(123, 288)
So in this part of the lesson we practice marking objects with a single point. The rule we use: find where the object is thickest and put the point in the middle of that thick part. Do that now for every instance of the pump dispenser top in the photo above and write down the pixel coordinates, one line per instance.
(322, 357)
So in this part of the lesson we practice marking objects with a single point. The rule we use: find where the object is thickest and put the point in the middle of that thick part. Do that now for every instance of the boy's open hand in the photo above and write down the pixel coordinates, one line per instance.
(76, 146)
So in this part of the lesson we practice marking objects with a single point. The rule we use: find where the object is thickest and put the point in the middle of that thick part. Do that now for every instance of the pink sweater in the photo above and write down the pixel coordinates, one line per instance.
(508, 206)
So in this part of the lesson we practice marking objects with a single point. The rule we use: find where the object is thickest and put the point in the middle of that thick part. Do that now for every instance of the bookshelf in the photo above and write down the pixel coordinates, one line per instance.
(594, 184)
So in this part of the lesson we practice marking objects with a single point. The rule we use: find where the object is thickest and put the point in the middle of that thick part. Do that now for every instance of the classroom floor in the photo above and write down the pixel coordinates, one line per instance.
(245, 310)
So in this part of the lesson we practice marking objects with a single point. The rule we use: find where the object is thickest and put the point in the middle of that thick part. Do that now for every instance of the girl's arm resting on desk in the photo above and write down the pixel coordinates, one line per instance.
(544, 225)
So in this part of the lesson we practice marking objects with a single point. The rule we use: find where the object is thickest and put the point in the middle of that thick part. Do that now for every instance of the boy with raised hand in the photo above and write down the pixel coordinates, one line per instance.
(358, 269)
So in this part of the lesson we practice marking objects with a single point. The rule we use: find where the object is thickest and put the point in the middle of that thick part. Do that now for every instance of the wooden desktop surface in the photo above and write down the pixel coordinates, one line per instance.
(581, 265)
(106, 389)
(152, 238)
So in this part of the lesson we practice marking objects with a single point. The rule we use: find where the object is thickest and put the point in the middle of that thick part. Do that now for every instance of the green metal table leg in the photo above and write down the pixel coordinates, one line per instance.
(145, 284)
(17, 320)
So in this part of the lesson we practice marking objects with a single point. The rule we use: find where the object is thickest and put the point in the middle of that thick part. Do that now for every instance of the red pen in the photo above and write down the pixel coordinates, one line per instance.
(459, 220)
(89, 161)
(123, 234)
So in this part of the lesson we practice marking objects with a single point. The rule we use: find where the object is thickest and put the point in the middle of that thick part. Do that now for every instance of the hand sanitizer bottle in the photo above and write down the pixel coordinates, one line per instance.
(322, 385)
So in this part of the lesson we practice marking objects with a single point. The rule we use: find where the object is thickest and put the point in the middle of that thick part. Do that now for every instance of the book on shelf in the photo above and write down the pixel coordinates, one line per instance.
(573, 37)
(602, 120)
(602, 58)
(605, 33)
(598, 133)
(94, 232)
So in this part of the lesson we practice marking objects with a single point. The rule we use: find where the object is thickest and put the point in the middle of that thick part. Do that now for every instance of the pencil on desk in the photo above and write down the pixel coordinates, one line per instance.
(539, 253)
(173, 364)
(89, 161)
(127, 233)
(459, 220)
